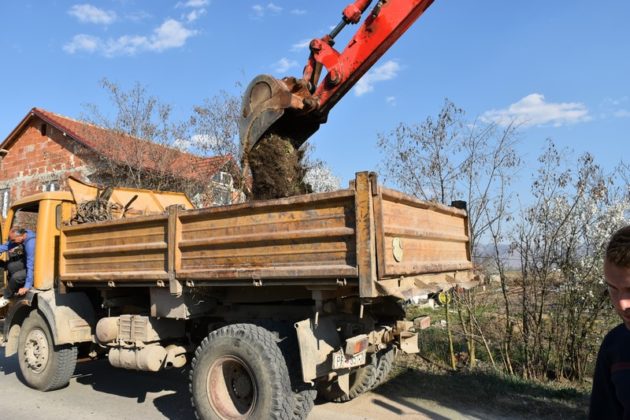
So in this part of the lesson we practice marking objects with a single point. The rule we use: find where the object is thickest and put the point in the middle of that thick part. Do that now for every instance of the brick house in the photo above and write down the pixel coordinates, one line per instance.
(45, 148)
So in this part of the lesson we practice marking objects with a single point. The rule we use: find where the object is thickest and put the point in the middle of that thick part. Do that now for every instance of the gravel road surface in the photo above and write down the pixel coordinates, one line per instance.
(99, 391)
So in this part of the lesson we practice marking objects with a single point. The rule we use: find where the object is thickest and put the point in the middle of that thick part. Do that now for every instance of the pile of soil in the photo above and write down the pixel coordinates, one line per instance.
(277, 168)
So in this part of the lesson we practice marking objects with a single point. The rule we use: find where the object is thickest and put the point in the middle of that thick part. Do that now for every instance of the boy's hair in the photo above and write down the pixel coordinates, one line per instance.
(18, 231)
(618, 250)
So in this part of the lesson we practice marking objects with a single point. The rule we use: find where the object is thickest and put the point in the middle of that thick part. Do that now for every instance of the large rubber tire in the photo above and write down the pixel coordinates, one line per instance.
(239, 372)
(361, 380)
(43, 365)
(303, 394)
(304, 400)
(384, 364)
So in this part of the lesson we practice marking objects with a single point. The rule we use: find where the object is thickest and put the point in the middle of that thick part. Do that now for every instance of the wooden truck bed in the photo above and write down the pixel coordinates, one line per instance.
(380, 240)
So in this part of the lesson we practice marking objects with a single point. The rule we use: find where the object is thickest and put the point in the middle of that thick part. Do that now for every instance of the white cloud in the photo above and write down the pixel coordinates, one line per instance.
(391, 100)
(87, 13)
(261, 10)
(301, 45)
(195, 14)
(171, 34)
(616, 107)
(138, 16)
(124, 45)
(82, 42)
(387, 71)
(532, 110)
(618, 101)
(283, 65)
(298, 12)
(205, 141)
(182, 145)
(193, 3)
(274, 8)
(258, 10)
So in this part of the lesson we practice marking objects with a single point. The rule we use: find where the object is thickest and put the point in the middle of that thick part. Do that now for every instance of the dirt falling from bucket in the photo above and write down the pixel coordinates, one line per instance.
(277, 169)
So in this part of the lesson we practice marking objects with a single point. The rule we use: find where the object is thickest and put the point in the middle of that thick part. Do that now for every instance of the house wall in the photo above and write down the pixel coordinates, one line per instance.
(34, 161)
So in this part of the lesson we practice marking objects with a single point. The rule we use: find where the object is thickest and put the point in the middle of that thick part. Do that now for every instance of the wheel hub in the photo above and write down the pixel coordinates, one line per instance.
(231, 388)
(36, 350)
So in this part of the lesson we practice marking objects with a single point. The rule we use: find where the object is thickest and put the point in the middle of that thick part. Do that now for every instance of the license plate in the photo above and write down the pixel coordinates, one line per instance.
(341, 361)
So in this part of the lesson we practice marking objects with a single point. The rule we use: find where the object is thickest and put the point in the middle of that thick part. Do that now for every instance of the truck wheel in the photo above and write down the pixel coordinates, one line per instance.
(384, 364)
(43, 365)
(304, 402)
(361, 380)
(239, 372)
(304, 394)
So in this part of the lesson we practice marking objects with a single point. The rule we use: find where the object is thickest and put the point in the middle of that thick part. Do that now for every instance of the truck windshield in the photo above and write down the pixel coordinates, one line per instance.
(25, 218)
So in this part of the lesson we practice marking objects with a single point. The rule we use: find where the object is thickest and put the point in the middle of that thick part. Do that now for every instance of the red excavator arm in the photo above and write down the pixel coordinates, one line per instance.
(295, 108)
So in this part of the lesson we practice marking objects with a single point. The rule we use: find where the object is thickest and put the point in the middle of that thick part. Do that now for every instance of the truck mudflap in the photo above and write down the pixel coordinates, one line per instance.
(322, 350)
(316, 342)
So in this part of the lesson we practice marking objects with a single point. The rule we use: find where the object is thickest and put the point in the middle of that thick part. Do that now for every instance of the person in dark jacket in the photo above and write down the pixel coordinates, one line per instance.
(21, 263)
(610, 398)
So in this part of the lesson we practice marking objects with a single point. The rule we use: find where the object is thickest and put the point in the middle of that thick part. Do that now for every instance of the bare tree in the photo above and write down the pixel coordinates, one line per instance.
(215, 124)
(319, 176)
(450, 159)
(144, 154)
(561, 238)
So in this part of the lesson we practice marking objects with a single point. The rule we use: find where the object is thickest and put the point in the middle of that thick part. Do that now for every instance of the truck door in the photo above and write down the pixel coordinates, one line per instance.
(24, 218)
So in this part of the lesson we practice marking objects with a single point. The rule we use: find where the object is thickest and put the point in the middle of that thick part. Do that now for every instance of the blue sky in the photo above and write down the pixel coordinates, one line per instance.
(562, 67)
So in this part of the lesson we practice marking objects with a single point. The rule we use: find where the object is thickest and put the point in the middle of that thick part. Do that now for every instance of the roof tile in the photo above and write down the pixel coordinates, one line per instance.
(119, 147)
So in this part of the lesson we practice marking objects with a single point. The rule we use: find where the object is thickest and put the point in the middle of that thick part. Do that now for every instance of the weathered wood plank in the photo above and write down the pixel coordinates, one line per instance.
(366, 258)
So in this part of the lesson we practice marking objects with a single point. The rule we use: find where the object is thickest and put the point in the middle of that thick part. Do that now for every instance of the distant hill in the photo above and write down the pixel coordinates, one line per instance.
(486, 251)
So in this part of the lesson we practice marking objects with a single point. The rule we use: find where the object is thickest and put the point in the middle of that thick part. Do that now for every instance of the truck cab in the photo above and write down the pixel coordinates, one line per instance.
(43, 214)
(60, 322)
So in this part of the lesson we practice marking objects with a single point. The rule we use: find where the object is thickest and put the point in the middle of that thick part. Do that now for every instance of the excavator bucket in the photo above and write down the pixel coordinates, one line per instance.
(272, 105)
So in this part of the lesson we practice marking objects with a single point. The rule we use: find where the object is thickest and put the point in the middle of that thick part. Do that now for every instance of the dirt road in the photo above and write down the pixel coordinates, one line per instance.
(98, 391)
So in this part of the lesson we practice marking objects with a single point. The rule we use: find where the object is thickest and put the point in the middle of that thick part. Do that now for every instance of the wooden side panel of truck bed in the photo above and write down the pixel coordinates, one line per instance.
(307, 237)
(364, 236)
(417, 237)
(125, 250)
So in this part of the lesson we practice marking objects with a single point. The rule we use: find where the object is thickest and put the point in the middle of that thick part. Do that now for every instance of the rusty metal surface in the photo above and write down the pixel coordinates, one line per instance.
(363, 236)
(417, 237)
(134, 249)
(294, 239)
(271, 102)
(299, 237)
(138, 201)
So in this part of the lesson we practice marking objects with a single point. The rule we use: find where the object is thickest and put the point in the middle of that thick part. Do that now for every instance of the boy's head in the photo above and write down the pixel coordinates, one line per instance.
(617, 272)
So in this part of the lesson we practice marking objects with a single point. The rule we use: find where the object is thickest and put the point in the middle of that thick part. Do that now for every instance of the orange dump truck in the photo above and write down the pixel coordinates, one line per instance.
(271, 302)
